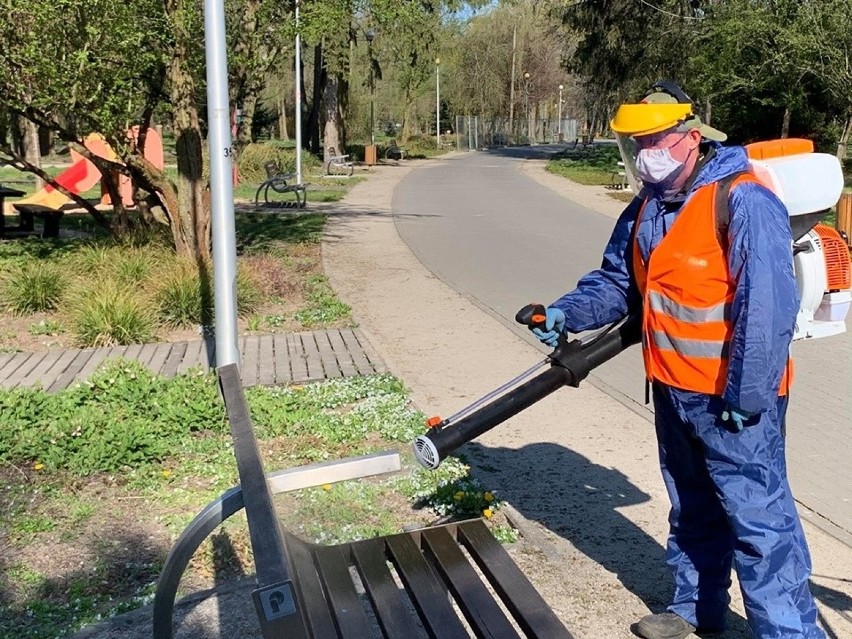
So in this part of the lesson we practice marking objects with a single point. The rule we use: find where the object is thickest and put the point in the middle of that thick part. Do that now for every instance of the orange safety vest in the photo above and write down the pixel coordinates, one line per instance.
(687, 292)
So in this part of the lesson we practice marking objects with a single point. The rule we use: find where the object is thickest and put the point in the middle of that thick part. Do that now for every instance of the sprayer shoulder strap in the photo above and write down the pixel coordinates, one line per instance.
(723, 207)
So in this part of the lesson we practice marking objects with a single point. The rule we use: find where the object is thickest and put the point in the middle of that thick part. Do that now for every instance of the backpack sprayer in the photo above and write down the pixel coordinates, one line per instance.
(808, 183)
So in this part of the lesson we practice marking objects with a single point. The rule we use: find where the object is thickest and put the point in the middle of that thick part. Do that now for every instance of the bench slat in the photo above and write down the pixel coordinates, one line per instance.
(479, 607)
(333, 567)
(427, 593)
(531, 612)
(314, 607)
(391, 611)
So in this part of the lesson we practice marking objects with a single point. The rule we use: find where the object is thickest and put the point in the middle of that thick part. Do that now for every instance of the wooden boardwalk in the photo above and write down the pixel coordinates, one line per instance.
(266, 360)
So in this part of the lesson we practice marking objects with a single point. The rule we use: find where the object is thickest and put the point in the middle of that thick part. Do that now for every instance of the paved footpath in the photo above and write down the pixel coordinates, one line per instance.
(503, 239)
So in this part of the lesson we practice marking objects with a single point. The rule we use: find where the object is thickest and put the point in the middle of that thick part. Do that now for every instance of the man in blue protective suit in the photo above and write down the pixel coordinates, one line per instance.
(704, 253)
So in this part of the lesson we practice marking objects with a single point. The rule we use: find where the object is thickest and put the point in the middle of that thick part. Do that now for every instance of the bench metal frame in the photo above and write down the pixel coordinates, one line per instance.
(279, 183)
(351, 591)
(338, 162)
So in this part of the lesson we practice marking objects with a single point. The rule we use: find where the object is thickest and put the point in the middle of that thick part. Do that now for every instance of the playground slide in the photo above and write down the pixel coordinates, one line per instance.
(78, 178)
(82, 175)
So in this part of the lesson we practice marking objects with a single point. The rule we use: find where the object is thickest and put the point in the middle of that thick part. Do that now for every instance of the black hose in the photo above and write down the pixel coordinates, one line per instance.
(572, 362)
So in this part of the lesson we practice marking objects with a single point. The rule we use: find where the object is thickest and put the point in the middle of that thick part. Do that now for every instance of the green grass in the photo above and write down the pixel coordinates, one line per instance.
(593, 166)
(323, 305)
(79, 437)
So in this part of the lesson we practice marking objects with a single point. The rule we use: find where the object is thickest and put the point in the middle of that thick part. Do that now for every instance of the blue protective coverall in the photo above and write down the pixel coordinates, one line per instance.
(731, 502)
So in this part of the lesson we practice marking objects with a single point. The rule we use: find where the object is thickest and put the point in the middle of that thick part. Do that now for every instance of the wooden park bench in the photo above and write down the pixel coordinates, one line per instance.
(451, 581)
(280, 183)
(338, 164)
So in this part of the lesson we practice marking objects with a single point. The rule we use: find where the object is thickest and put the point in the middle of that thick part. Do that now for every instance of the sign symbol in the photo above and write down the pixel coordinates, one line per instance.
(276, 600)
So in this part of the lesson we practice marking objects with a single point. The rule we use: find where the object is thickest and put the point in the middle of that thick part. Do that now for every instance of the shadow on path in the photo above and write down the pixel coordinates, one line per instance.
(579, 501)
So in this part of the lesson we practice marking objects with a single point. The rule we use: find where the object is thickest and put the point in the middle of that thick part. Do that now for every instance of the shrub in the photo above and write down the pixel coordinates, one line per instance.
(180, 298)
(253, 156)
(133, 266)
(110, 314)
(34, 287)
(184, 297)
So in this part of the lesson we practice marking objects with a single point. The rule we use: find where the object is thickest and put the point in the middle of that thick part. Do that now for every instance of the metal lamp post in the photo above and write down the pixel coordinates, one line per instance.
(371, 35)
(527, 101)
(298, 100)
(559, 121)
(438, 103)
(221, 185)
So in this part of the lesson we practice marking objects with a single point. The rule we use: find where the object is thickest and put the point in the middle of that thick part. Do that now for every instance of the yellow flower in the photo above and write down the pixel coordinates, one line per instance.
(489, 496)
(459, 495)
(167, 473)
(487, 513)
(326, 487)
(38, 466)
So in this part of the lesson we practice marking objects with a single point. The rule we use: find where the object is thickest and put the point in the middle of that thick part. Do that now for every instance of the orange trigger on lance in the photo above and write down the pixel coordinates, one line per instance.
(432, 422)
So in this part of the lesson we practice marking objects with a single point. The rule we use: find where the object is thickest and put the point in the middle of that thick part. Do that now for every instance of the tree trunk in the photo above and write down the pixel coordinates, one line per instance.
(320, 76)
(512, 82)
(191, 221)
(708, 112)
(843, 143)
(245, 134)
(30, 147)
(785, 124)
(332, 117)
(282, 116)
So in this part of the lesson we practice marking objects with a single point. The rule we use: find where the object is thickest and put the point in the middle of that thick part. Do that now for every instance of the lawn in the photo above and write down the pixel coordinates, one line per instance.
(100, 479)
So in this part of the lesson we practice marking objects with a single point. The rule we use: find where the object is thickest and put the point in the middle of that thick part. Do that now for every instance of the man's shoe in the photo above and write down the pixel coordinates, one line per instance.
(666, 625)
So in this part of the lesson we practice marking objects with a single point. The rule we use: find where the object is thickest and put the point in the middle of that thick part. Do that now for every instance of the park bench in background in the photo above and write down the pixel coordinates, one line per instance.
(50, 216)
(351, 591)
(394, 151)
(280, 183)
(618, 180)
(338, 164)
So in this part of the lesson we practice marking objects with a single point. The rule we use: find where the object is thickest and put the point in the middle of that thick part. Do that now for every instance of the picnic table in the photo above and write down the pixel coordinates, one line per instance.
(5, 192)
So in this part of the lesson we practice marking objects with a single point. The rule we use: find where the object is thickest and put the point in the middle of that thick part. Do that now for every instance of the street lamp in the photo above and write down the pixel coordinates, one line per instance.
(371, 35)
(559, 122)
(527, 100)
(438, 103)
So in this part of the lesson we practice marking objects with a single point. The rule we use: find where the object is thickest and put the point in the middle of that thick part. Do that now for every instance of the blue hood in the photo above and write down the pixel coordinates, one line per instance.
(726, 161)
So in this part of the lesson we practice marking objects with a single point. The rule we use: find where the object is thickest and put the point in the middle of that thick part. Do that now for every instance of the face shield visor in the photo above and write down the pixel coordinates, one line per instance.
(650, 123)
(631, 145)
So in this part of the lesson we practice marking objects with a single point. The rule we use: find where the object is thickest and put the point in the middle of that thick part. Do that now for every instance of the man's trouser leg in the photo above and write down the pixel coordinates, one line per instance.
(700, 547)
(771, 556)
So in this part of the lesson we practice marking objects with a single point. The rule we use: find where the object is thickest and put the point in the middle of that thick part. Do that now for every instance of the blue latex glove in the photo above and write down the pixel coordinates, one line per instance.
(736, 417)
(553, 327)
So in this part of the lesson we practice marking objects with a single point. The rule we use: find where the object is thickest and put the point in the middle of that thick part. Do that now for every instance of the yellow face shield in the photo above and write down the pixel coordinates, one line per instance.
(648, 118)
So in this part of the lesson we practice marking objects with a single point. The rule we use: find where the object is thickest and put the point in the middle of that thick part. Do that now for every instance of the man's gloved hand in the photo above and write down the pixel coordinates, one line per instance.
(736, 416)
(553, 327)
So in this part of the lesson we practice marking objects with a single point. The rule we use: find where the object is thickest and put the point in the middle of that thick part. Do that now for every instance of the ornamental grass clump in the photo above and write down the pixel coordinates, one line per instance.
(33, 287)
(183, 294)
(111, 314)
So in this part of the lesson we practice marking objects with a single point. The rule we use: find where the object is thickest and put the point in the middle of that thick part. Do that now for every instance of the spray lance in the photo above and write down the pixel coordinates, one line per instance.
(569, 364)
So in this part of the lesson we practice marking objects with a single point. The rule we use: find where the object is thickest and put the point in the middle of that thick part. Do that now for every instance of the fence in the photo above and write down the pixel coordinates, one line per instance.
(472, 132)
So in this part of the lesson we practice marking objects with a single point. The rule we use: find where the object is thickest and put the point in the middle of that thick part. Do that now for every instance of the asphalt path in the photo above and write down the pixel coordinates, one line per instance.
(503, 240)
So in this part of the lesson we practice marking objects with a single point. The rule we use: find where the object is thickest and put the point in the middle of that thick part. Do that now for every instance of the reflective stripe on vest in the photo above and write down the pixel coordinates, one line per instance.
(691, 314)
(704, 349)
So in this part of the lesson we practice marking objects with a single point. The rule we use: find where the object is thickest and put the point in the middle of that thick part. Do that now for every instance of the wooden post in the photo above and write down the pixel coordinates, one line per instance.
(844, 216)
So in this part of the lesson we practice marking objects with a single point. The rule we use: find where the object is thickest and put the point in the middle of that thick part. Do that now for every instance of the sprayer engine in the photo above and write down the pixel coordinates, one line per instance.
(823, 278)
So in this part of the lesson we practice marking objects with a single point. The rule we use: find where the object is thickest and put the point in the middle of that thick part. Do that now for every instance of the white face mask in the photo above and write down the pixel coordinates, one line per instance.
(655, 166)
